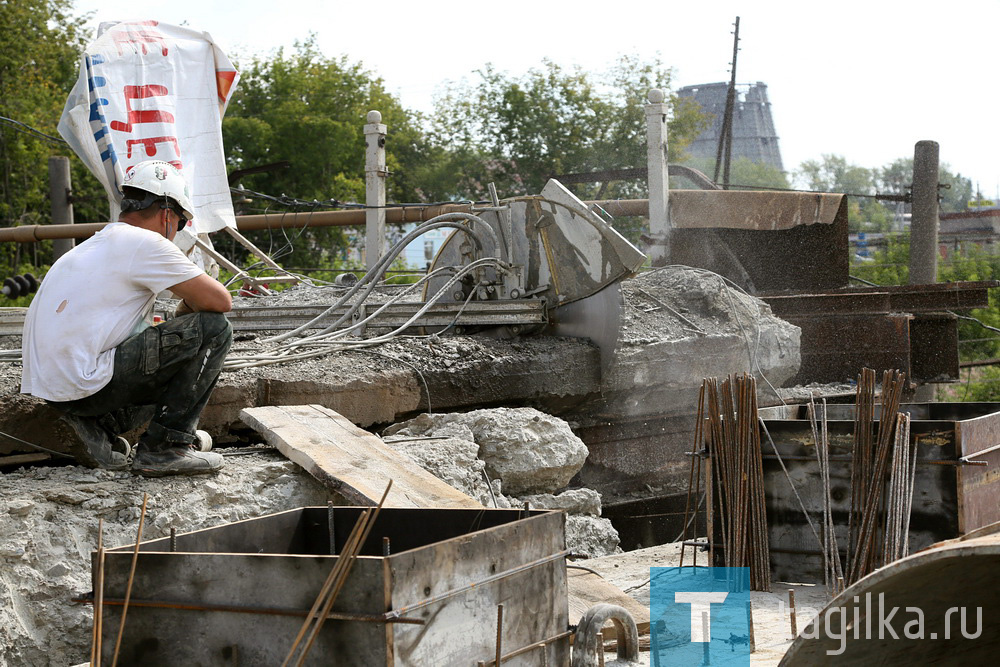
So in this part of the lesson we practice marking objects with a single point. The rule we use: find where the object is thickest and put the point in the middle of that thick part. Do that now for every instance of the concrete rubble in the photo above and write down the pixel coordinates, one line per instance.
(523, 451)
(49, 527)
(694, 316)
(679, 326)
(531, 452)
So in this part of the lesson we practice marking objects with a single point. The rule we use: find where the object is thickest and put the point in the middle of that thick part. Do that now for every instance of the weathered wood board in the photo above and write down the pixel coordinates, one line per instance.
(587, 589)
(350, 460)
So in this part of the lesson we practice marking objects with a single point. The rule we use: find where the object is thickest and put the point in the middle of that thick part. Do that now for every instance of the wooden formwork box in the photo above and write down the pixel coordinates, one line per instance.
(238, 593)
(956, 487)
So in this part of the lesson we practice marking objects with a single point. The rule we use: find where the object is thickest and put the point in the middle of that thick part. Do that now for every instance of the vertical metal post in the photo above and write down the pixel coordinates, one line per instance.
(657, 177)
(709, 512)
(791, 617)
(375, 174)
(924, 221)
(60, 195)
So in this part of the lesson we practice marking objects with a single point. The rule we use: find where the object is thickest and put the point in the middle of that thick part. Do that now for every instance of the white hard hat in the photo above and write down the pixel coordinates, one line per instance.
(163, 180)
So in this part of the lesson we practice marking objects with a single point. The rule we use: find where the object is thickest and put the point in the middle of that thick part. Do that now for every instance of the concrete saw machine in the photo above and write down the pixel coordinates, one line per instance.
(553, 251)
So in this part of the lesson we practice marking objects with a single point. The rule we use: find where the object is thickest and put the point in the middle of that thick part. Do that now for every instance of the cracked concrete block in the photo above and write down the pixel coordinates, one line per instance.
(528, 450)
(453, 460)
(591, 536)
(532, 452)
(574, 501)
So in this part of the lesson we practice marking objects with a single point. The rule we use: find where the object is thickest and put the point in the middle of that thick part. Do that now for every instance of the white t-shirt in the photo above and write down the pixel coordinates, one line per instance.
(91, 300)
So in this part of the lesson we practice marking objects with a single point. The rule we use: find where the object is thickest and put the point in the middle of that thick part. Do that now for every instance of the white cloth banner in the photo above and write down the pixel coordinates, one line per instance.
(150, 90)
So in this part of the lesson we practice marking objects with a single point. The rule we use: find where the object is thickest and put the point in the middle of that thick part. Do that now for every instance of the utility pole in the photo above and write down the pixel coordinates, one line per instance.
(60, 192)
(375, 173)
(924, 218)
(724, 154)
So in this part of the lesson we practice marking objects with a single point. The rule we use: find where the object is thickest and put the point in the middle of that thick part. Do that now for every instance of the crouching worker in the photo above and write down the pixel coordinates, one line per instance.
(88, 348)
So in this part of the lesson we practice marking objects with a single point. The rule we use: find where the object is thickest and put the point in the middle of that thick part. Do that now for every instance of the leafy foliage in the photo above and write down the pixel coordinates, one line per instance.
(745, 173)
(40, 42)
(517, 131)
(833, 173)
(309, 110)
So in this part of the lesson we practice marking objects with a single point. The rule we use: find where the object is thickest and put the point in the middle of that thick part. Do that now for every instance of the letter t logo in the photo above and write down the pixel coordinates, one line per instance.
(701, 602)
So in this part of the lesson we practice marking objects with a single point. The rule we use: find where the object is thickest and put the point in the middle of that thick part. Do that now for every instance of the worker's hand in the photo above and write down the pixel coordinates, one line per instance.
(182, 308)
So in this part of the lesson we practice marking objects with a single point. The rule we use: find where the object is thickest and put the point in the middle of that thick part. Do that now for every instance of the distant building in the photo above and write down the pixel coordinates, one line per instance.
(419, 253)
(754, 136)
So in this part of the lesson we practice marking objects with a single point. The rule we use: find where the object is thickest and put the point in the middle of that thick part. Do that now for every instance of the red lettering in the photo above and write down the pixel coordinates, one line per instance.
(149, 145)
(142, 115)
(138, 38)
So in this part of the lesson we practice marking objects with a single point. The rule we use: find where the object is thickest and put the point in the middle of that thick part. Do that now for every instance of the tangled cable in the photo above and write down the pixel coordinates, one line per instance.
(333, 338)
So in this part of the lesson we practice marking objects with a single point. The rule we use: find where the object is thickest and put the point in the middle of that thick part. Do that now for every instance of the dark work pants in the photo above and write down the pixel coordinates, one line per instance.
(165, 373)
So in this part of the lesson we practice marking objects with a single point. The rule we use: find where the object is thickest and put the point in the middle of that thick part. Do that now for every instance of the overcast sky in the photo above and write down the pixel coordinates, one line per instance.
(865, 80)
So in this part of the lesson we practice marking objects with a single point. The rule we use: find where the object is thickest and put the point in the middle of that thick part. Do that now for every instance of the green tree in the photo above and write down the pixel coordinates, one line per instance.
(309, 110)
(517, 131)
(745, 174)
(40, 44)
(833, 173)
(897, 178)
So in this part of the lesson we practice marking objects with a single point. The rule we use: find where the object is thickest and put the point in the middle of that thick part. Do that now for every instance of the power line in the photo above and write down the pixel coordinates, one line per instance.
(285, 200)
(907, 198)
(24, 128)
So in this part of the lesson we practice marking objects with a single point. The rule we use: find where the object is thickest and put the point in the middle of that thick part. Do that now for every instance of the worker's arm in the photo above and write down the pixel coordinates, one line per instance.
(203, 293)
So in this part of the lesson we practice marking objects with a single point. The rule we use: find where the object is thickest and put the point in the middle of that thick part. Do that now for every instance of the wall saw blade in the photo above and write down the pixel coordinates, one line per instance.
(597, 317)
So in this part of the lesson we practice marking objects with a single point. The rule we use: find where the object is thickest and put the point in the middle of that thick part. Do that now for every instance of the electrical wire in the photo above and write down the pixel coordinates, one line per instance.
(370, 278)
(24, 128)
(31, 444)
(973, 319)
(321, 344)
(285, 200)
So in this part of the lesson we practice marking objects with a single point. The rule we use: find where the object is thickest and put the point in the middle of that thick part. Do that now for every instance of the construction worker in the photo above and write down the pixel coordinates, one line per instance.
(89, 348)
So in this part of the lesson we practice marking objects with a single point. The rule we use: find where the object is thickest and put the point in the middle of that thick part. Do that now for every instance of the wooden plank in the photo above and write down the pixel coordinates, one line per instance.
(587, 589)
(350, 460)
(18, 459)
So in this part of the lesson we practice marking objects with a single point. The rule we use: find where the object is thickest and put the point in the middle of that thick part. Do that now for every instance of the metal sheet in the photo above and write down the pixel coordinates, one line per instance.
(895, 299)
(934, 347)
(795, 554)
(925, 593)
(432, 551)
(535, 601)
(835, 347)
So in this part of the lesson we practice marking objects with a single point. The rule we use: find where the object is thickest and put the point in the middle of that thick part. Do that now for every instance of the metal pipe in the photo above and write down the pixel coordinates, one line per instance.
(527, 649)
(344, 218)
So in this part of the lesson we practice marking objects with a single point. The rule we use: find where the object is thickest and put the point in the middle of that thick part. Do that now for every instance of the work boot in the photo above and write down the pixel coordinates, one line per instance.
(181, 460)
(93, 446)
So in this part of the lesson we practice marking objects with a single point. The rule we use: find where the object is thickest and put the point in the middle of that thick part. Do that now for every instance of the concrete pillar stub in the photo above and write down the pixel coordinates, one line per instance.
(375, 173)
(62, 208)
(924, 218)
(657, 178)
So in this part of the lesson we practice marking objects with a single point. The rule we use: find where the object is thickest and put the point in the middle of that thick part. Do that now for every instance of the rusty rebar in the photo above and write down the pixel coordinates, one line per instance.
(131, 578)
